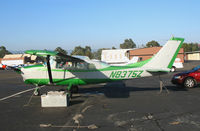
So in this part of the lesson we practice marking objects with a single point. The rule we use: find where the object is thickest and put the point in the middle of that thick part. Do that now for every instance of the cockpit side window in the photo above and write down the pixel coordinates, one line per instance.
(62, 63)
(67, 65)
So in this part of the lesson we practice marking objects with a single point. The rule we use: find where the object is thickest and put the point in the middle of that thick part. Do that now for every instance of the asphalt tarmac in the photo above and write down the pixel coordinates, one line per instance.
(134, 105)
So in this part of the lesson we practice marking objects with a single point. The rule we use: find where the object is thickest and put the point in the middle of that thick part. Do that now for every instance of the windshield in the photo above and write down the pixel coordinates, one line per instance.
(196, 68)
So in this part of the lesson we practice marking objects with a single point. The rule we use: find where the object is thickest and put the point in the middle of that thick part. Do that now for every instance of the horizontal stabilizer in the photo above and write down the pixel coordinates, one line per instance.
(158, 70)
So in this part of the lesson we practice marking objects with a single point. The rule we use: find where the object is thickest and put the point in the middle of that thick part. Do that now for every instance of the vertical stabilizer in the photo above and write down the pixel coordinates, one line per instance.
(166, 56)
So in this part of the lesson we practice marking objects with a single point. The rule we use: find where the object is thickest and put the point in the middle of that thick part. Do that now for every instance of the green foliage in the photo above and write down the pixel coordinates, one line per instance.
(188, 47)
(113, 48)
(60, 50)
(3, 51)
(128, 43)
(152, 43)
(78, 50)
(97, 54)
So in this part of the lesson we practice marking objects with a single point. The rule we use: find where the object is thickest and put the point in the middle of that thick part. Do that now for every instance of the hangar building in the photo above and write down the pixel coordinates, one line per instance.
(146, 53)
(115, 56)
(120, 56)
(195, 55)
(18, 59)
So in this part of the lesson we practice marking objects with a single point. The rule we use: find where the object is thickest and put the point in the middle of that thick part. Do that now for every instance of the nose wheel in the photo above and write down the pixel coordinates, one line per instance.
(37, 91)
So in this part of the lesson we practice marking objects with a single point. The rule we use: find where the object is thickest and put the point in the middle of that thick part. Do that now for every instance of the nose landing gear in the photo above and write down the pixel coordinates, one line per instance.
(37, 91)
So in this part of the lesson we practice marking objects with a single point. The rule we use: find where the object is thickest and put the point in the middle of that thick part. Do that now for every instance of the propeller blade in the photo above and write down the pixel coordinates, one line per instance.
(49, 69)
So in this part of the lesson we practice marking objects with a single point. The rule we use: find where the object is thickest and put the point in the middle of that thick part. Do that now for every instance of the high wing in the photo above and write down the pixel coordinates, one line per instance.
(70, 58)
(47, 54)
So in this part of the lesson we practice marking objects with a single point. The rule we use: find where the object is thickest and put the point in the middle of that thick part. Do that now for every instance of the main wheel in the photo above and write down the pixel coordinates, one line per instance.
(173, 69)
(74, 89)
(68, 99)
(189, 82)
(69, 93)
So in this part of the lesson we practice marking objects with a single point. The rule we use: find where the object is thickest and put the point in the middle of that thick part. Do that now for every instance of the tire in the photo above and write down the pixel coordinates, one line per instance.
(68, 100)
(74, 89)
(189, 82)
(62, 90)
(173, 69)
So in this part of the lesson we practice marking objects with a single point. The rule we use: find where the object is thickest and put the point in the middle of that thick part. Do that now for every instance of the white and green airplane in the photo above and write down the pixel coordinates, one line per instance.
(71, 71)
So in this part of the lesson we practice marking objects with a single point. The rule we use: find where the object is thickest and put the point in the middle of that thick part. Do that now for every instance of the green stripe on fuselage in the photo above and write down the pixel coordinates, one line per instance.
(69, 81)
(33, 66)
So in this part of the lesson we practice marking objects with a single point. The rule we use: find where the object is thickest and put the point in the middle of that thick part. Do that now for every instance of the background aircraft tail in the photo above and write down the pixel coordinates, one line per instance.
(165, 58)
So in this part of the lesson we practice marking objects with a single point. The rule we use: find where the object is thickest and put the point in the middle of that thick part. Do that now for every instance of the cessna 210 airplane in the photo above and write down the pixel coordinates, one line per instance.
(71, 71)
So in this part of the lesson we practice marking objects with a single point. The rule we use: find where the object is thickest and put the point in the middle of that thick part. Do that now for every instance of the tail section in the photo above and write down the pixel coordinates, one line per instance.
(165, 58)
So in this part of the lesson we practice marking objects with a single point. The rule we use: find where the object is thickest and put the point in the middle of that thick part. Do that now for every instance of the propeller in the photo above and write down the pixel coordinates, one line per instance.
(49, 69)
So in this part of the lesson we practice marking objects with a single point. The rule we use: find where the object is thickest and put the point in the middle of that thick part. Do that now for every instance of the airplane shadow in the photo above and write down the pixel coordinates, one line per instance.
(74, 102)
(119, 90)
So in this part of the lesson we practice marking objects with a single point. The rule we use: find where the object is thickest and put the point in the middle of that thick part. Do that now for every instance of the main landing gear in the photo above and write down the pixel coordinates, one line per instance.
(69, 92)
(72, 89)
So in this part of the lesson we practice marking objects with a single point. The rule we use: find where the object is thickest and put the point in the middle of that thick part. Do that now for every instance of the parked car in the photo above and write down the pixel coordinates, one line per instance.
(2, 67)
(177, 64)
(187, 79)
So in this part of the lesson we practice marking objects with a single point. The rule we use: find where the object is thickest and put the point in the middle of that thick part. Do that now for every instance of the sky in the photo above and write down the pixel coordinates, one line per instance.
(47, 24)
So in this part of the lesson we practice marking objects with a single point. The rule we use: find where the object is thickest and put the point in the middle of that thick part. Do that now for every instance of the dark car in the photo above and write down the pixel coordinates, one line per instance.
(187, 79)
(2, 67)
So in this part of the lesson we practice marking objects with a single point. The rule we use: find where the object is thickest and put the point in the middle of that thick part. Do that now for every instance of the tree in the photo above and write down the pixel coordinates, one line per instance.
(97, 54)
(185, 47)
(113, 48)
(78, 50)
(188, 47)
(3, 51)
(128, 43)
(60, 50)
(195, 47)
(152, 43)
(88, 52)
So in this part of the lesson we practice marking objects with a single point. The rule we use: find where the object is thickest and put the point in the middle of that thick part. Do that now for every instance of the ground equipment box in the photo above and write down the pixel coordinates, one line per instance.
(55, 99)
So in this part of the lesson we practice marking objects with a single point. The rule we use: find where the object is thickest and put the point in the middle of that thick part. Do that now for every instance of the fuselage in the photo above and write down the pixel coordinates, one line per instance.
(67, 70)
(38, 75)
